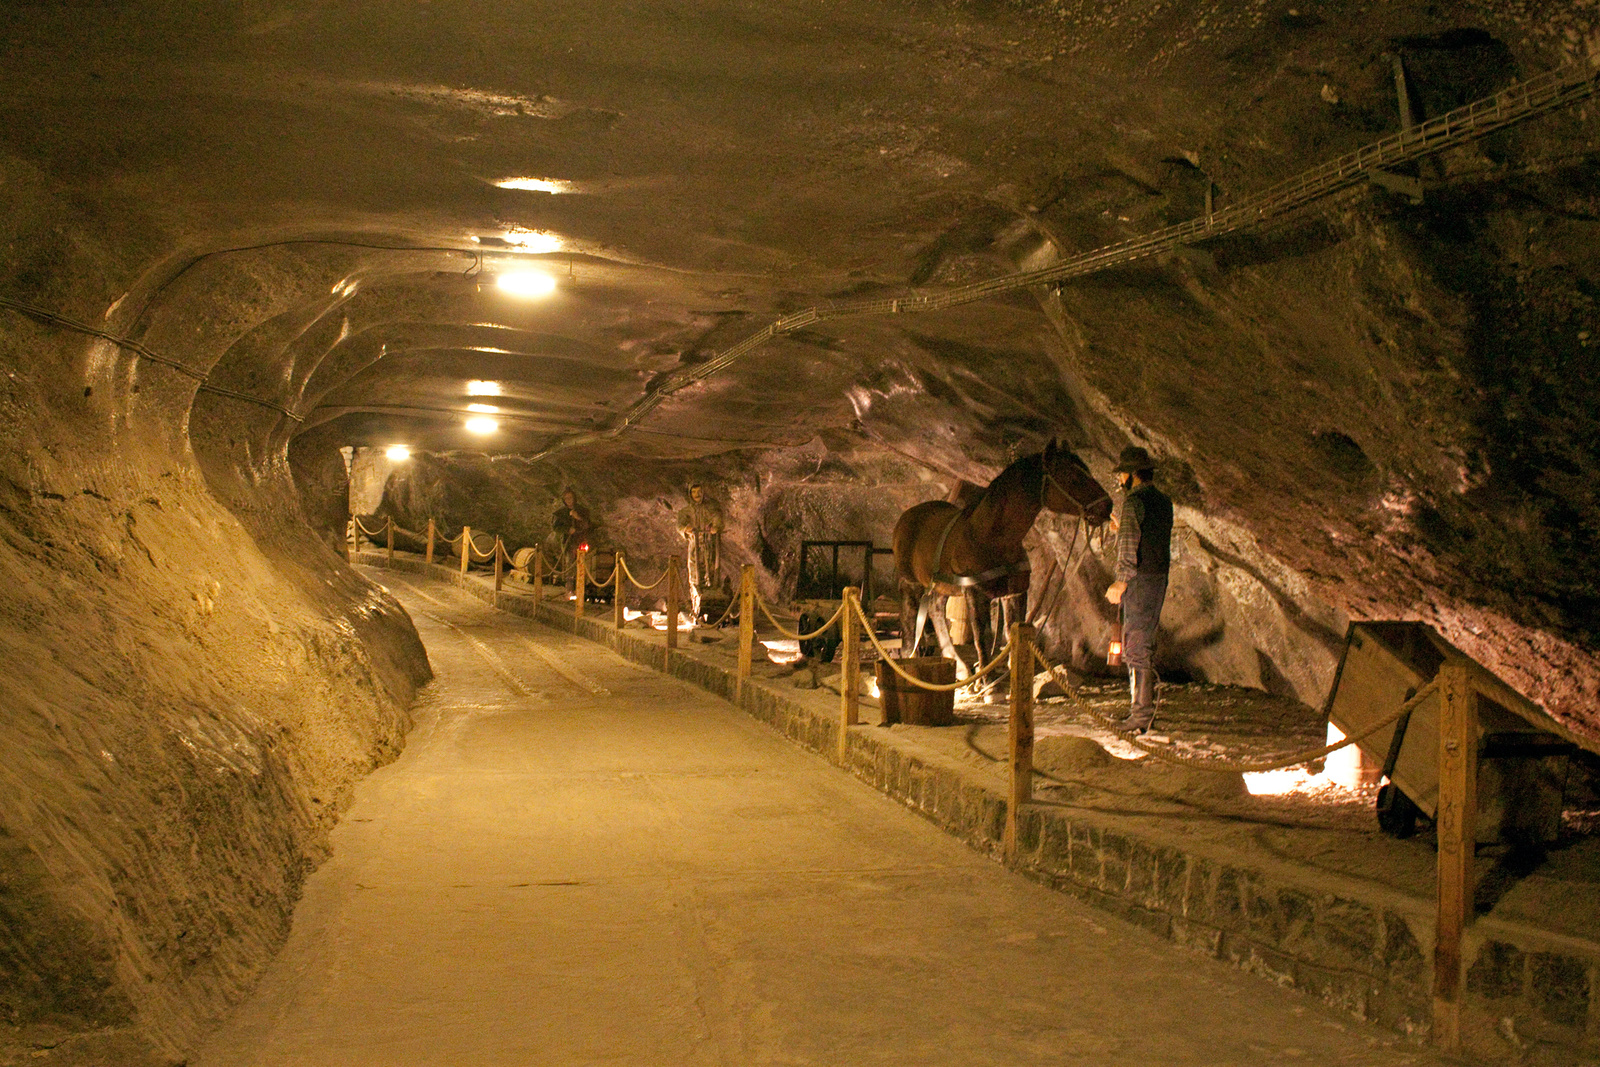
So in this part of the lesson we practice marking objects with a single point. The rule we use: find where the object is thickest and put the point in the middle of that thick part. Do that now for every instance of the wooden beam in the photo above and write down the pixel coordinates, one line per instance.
(1020, 732)
(849, 674)
(747, 629)
(1456, 826)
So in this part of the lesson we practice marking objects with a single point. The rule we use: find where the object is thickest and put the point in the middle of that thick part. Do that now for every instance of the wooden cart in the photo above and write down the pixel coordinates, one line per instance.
(1521, 751)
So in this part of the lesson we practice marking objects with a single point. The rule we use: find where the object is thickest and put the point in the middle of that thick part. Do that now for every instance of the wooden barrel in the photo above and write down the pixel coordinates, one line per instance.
(904, 702)
(522, 564)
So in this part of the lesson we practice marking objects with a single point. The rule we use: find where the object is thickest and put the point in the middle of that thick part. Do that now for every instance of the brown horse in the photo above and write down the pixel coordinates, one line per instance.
(941, 550)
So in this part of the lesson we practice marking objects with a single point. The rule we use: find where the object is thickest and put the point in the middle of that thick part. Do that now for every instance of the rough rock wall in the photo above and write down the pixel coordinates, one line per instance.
(190, 690)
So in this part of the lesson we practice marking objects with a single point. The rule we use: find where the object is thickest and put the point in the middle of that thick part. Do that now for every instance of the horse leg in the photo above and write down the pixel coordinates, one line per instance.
(941, 630)
(909, 636)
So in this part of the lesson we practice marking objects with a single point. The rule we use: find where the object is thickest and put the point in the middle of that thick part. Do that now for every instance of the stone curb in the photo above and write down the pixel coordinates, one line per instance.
(1360, 947)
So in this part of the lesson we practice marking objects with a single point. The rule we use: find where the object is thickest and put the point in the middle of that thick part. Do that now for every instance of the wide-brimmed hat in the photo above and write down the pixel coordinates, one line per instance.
(1133, 460)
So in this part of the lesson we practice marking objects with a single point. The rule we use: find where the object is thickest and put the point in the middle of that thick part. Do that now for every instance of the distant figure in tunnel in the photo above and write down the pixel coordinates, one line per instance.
(569, 526)
(1144, 556)
(701, 525)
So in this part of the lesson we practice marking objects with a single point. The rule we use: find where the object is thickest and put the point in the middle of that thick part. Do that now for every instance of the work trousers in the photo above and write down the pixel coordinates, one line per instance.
(1141, 615)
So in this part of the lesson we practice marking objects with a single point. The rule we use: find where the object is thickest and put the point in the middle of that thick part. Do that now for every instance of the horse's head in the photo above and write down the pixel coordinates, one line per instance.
(1069, 487)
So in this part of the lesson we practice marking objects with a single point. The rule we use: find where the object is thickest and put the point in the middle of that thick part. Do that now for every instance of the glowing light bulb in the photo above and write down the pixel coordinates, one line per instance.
(476, 388)
(526, 283)
(486, 409)
(482, 425)
(397, 453)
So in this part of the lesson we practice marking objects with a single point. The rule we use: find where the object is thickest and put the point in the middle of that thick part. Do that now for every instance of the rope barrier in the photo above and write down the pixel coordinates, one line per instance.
(371, 533)
(637, 584)
(1223, 767)
(999, 658)
(785, 631)
(726, 613)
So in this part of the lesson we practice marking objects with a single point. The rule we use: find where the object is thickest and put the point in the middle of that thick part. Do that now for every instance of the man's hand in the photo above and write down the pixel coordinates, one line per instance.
(1115, 590)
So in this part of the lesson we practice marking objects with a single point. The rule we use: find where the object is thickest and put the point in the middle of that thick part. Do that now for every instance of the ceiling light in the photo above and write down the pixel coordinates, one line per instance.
(482, 425)
(535, 185)
(398, 453)
(487, 409)
(526, 283)
(476, 388)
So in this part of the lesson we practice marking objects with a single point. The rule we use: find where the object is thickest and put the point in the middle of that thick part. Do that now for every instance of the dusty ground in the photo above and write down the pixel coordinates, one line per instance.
(577, 860)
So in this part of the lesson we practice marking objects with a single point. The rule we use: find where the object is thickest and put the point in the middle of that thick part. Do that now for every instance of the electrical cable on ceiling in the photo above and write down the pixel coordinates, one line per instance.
(144, 352)
(1567, 85)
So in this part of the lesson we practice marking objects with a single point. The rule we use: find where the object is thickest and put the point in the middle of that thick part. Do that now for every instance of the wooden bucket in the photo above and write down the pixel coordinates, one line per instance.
(904, 702)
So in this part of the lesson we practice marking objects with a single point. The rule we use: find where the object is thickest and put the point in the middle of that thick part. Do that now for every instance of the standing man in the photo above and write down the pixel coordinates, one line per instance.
(570, 525)
(1144, 556)
(701, 525)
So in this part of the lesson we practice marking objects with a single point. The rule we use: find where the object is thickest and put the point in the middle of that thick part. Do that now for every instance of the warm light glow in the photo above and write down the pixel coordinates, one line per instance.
(536, 241)
(628, 614)
(1116, 648)
(872, 689)
(398, 453)
(476, 388)
(486, 409)
(1277, 783)
(1344, 766)
(526, 283)
(482, 424)
(535, 185)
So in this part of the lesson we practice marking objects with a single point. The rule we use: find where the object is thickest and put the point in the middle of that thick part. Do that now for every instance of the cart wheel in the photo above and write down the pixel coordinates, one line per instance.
(1397, 815)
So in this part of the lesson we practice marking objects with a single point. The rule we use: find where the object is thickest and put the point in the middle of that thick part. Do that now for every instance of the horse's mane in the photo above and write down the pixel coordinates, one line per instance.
(1026, 474)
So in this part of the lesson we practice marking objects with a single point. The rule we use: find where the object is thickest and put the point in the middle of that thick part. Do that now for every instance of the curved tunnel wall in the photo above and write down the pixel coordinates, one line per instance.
(194, 681)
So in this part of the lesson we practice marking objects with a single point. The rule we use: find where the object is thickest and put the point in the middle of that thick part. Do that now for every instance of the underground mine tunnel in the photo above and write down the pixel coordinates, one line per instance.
(294, 293)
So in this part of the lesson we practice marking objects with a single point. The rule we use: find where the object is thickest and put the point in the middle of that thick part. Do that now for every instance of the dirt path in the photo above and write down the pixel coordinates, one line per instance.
(579, 861)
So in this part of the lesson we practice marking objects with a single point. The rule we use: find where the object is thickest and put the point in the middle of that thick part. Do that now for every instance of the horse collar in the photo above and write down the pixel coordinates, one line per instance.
(1022, 566)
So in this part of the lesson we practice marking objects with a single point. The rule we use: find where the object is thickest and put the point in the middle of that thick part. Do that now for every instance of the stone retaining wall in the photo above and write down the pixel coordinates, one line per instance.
(1361, 947)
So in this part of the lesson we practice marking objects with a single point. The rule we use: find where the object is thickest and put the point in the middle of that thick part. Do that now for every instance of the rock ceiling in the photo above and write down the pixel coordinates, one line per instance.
(315, 204)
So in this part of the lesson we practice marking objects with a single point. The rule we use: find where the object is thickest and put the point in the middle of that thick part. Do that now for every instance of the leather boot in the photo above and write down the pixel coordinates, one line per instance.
(1142, 694)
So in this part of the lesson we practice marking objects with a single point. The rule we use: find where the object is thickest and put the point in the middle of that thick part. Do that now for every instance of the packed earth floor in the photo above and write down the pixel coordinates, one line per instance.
(580, 860)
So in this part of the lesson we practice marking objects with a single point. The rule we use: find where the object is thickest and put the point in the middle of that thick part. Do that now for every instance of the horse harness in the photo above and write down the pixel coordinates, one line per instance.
(964, 581)
(1004, 570)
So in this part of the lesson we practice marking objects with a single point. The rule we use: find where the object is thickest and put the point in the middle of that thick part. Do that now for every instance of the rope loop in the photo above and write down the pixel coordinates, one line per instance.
(989, 668)
(785, 631)
(637, 584)
(372, 533)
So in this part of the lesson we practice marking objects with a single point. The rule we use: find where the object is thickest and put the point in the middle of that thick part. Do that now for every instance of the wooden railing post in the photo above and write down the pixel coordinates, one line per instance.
(747, 628)
(429, 557)
(538, 576)
(672, 600)
(849, 674)
(388, 539)
(352, 542)
(1020, 734)
(579, 580)
(466, 549)
(618, 601)
(499, 556)
(1456, 826)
